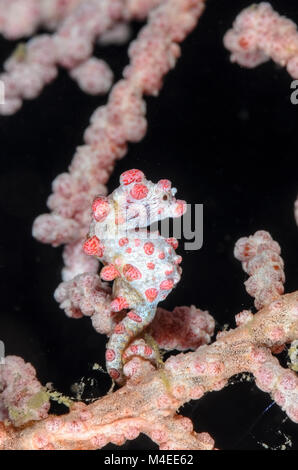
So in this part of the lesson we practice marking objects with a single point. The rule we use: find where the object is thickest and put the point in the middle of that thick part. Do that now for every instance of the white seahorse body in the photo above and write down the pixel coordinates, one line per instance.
(144, 265)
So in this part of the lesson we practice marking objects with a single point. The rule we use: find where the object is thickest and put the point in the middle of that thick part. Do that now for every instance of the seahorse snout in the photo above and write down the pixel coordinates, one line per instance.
(179, 208)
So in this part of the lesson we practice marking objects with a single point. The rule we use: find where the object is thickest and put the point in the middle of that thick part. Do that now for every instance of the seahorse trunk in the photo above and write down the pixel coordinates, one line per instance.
(126, 330)
(143, 264)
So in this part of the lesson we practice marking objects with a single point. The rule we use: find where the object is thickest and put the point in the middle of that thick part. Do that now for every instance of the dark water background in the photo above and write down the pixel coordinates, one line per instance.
(227, 138)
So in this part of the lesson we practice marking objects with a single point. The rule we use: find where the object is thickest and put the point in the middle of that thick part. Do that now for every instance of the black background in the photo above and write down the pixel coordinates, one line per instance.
(227, 138)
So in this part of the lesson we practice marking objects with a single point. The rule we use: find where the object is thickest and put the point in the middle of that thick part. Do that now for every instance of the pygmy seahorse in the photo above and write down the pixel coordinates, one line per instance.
(142, 263)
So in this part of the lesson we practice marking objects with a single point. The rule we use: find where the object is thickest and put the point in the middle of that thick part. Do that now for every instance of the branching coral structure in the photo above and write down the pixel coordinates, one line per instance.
(112, 230)
(149, 400)
(34, 65)
(259, 34)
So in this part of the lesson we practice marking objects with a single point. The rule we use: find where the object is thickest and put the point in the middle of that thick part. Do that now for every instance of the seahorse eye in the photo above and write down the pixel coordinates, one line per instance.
(165, 197)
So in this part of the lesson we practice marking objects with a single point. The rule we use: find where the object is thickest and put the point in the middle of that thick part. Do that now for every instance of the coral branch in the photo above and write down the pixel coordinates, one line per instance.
(87, 295)
(282, 384)
(148, 402)
(260, 259)
(22, 397)
(258, 34)
(182, 329)
(34, 65)
(93, 76)
(293, 355)
(20, 18)
(76, 261)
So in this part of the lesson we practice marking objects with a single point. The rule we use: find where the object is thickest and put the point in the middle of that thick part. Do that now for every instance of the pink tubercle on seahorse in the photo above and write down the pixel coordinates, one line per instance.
(143, 264)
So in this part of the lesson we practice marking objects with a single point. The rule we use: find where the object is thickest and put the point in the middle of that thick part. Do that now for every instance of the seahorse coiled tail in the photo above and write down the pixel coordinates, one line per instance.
(143, 264)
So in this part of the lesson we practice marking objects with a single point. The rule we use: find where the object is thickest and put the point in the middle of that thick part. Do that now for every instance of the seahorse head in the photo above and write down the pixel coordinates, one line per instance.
(144, 202)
